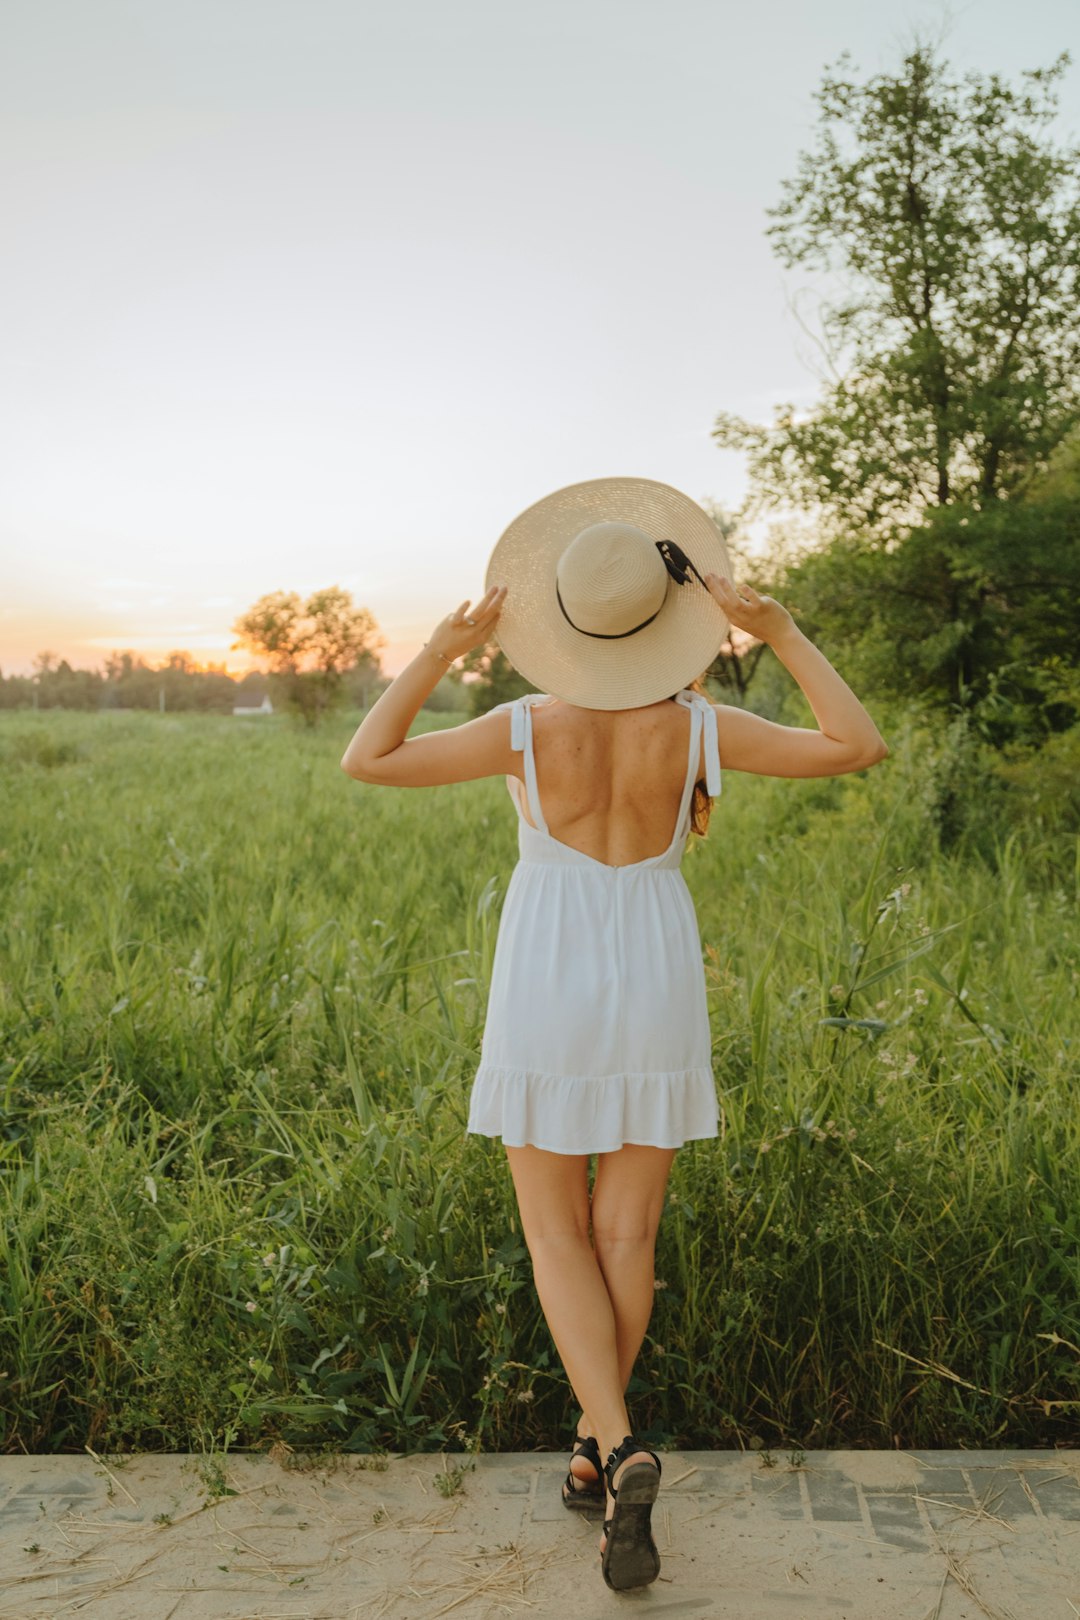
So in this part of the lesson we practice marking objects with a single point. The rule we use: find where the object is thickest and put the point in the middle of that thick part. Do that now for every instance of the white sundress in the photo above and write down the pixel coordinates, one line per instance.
(597, 1030)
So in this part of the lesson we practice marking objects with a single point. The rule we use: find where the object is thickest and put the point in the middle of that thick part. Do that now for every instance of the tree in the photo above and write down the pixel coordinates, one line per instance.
(363, 683)
(310, 645)
(973, 610)
(1062, 476)
(497, 681)
(961, 229)
(130, 682)
(736, 664)
(339, 633)
(449, 695)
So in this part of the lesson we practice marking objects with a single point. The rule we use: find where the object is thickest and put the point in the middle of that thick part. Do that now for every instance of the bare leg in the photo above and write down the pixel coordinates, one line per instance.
(552, 1194)
(627, 1203)
(597, 1336)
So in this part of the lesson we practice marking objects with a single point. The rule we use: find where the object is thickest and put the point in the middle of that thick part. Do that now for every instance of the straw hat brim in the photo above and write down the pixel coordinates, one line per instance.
(630, 671)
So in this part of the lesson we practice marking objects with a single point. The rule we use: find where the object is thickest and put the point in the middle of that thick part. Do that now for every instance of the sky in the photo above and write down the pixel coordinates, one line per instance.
(298, 293)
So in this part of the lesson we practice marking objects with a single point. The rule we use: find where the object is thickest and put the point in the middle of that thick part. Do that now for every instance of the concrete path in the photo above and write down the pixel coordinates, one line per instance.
(842, 1535)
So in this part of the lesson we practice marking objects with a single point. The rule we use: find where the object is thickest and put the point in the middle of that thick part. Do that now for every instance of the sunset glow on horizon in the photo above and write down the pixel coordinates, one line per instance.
(328, 295)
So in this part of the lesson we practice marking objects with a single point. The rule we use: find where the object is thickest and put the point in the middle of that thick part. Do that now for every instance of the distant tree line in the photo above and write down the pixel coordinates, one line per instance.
(128, 682)
(179, 683)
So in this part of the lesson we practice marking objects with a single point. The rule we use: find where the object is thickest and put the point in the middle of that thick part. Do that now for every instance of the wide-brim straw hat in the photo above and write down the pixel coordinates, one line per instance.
(604, 608)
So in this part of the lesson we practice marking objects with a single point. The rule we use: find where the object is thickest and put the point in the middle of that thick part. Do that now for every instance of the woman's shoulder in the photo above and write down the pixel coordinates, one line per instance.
(526, 697)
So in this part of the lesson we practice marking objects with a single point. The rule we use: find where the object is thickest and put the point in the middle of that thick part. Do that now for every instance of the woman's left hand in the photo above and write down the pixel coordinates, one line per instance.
(453, 636)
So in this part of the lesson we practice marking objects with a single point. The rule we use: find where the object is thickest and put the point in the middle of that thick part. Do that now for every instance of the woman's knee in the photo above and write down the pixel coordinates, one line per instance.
(622, 1236)
(628, 1198)
(552, 1194)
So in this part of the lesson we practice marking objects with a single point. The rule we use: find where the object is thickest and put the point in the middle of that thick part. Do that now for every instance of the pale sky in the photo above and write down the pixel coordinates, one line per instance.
(300, 293)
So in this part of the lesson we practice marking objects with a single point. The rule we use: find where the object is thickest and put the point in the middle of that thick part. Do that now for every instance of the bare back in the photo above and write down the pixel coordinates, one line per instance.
(610, 781)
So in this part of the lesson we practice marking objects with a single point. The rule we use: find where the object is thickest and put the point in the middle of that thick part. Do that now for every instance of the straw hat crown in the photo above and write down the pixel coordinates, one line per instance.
(609, 578)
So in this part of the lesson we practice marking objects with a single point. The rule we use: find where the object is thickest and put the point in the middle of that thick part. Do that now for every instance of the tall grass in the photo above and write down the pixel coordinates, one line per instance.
(242, 1001)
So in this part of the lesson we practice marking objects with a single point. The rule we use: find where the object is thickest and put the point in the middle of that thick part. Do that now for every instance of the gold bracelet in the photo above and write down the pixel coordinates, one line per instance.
(438, 654)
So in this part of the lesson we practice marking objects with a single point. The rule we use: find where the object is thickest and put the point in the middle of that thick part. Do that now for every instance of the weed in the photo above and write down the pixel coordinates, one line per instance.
(451, 1480)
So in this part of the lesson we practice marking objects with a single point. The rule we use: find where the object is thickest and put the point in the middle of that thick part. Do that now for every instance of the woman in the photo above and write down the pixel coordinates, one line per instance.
(597, 1036)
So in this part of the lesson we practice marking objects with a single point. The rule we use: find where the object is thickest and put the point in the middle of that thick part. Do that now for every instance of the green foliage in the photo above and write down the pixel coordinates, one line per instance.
(972, 610)
(241, 1001)
(495, 679)
(1060, 479)
(311, 646)
(449, 695)
(1014, 573)
(942, 465)
(1044, 783)
(953, 358)
(128, 682)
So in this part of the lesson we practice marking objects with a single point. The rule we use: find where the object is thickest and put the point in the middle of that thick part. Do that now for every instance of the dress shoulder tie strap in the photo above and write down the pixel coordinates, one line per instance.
(712, 746)
(706, 722)
(521, 741)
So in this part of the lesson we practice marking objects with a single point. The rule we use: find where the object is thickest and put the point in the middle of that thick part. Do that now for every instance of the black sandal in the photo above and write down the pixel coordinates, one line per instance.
(630, 1556)
(585, 1493)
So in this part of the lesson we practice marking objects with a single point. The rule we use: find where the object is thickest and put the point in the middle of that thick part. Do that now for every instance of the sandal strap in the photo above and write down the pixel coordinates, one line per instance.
(587, 1446)
(626, 1448)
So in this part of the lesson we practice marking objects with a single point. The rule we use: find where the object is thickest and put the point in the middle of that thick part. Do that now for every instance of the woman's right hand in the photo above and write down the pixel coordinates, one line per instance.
(760, 616)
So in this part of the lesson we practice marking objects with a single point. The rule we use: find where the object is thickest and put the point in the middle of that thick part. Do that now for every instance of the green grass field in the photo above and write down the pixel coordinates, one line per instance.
(241, 1002)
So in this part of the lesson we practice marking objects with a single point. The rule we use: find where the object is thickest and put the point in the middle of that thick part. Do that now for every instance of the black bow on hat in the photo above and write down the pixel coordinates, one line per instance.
(676, 561)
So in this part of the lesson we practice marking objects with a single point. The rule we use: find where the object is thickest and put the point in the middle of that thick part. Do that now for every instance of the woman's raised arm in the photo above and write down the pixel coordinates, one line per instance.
(848, 739)
(380, 750)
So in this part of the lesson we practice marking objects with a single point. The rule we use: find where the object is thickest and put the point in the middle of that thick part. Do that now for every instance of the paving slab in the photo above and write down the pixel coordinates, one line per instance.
(841, 1535)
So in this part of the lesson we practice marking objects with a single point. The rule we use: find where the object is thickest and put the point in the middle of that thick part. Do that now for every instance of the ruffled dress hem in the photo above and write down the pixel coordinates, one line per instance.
(594, 1113)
